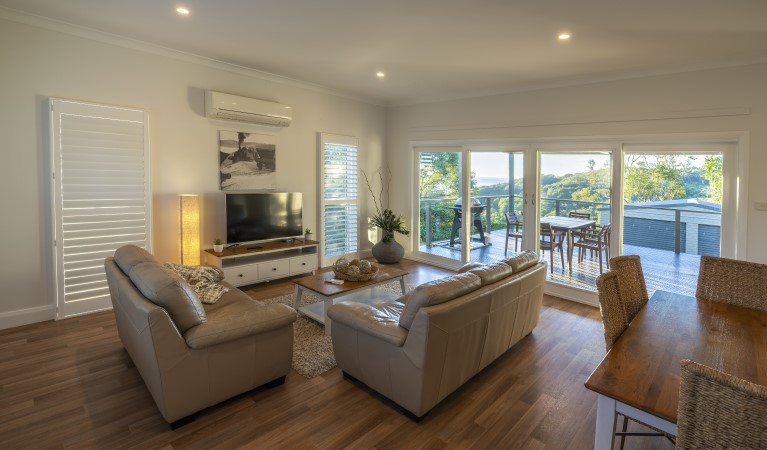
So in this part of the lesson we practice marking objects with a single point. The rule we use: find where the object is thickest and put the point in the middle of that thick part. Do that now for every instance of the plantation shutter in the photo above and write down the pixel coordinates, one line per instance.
(101, 197)
(339, 223)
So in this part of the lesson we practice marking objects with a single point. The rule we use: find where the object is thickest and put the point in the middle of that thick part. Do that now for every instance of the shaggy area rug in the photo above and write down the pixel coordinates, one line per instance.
(312, 350)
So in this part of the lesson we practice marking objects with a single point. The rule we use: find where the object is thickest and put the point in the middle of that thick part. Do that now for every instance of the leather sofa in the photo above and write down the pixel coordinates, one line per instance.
(418, 349)
(191, 355)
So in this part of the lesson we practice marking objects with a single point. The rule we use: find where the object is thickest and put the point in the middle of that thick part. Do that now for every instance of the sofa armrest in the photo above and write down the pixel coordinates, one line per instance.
(380, 321)
(256, 320)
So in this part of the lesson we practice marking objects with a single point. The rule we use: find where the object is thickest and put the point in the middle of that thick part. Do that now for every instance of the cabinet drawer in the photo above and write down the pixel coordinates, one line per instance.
(241, 275)
(303, 264)
(273, 269)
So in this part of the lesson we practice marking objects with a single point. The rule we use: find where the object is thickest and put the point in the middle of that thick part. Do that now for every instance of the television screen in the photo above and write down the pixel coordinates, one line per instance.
(263, 217)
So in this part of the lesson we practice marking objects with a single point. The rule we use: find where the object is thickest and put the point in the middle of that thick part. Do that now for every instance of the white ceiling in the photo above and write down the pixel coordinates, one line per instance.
(435, 49)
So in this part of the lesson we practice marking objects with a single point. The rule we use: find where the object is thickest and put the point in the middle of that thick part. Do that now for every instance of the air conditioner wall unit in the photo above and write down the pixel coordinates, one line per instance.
(219, 105)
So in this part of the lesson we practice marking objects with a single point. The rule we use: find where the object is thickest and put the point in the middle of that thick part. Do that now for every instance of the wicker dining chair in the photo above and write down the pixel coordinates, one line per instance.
(611, 307)
(631, 282)
(512, 231)
(615, 321)
(718, 410)
(732, 281)
(552, 241)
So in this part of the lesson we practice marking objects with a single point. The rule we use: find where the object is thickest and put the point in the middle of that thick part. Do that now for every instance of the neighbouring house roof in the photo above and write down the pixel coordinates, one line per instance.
(682, 203)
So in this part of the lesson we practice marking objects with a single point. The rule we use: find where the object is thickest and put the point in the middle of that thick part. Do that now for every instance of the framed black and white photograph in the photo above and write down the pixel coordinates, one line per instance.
(247, 161)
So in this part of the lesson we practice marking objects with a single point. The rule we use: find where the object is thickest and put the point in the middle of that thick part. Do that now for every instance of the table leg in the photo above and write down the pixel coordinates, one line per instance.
(402, 285)
(328, 304)
(297, 297)
(605, 433)
(570, 250)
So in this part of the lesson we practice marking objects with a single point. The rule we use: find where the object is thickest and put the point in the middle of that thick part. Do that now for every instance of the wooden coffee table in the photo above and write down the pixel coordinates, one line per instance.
(358, 291)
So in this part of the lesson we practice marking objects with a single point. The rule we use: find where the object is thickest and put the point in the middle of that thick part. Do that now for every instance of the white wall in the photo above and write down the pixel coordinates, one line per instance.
(36, 63)
(680, 103)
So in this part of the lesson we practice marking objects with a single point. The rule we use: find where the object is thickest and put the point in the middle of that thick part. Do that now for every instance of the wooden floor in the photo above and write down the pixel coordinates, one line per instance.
(70, 384)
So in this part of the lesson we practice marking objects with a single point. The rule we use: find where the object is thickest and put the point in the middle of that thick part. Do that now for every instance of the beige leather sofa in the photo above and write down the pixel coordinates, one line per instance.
(425, 345)
(193, 356)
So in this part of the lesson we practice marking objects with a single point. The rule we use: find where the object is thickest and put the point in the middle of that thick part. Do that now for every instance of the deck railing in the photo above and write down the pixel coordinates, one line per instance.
(695, 232)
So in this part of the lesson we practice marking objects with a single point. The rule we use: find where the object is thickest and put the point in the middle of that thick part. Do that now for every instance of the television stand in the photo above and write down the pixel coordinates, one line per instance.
(266, 261)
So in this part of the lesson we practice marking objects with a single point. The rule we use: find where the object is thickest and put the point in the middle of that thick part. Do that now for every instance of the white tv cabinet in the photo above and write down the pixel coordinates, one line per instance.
(266, 261)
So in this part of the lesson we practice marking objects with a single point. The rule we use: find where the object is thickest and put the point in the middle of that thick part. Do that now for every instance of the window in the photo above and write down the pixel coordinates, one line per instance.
(339, 208)
(101, 197)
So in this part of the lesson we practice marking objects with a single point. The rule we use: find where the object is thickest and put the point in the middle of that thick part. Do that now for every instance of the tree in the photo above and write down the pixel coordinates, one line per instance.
(712, 171)
(654, 178)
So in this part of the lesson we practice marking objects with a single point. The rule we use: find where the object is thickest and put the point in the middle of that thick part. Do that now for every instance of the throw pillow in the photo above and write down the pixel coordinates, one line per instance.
(203, 279)
(167, 289)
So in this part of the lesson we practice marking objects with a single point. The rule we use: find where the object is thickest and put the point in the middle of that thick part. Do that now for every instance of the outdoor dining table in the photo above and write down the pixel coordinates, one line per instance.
(640, 375)
(568, 225)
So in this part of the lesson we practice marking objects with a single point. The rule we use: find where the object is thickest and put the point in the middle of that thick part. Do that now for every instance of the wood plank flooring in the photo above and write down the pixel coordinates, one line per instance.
(70, 384)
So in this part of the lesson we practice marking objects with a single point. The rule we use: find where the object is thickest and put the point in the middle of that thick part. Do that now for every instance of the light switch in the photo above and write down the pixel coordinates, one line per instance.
(761, 206)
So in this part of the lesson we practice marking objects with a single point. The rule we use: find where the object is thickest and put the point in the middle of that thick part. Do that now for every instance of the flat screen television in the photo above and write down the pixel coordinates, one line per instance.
(260, 217)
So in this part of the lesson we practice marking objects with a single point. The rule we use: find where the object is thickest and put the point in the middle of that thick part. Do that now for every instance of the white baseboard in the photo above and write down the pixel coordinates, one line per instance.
(25, 316)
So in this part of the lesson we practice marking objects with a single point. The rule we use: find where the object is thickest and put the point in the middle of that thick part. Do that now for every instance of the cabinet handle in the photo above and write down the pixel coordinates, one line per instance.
(274, 268)
(239, 275)
(303, 264)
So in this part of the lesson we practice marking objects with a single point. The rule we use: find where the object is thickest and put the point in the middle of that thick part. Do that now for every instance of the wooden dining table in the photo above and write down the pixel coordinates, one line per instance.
(640, 375)
(568, 225)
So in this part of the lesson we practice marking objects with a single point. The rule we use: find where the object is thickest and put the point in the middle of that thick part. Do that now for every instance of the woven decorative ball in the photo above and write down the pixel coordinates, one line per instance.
(355, 270)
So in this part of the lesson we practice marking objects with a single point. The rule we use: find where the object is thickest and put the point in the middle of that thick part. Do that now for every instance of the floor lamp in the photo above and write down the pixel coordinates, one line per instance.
(189, 221)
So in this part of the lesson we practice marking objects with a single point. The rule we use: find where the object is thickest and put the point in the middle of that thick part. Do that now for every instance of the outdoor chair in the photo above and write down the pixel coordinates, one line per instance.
(615, 321)
(512, 231)
(719, 410)
(594, 240)
(732, 281)
(552, 241)
(633, 289)
(579, 215)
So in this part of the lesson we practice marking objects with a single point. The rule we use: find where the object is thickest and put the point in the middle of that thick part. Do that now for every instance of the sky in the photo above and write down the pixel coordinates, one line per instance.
(496, 165)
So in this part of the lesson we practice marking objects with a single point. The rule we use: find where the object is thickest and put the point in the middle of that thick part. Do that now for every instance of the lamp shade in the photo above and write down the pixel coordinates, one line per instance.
(189, 218)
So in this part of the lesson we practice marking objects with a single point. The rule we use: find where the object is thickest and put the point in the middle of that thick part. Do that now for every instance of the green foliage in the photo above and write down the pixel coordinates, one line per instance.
(308, 231)
(712, 172)
(650, 179)
(217, 242)
(390, 223)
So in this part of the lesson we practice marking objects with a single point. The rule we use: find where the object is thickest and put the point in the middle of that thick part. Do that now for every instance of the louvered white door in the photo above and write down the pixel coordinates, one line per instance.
(339, 208)
(101, 197)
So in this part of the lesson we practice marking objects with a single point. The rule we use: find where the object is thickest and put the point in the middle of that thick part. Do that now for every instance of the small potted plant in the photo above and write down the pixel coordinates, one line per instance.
(218, 246)
(308, 234)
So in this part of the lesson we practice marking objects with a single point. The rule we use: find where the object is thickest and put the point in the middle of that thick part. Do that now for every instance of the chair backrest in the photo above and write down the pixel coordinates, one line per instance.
(511, 218)
(732, 281)
(612, 308)
(579, 215)
(631, 282)
(718, 410)
(547, 232)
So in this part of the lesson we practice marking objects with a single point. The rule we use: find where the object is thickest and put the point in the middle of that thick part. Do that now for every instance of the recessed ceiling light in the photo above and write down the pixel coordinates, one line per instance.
(380, 74)
(564, 36)
(183, 11)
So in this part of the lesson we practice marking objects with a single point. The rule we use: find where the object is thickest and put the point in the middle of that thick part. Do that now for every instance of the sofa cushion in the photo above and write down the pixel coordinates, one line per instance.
(492, 272)
(470, 265)
(167, 289)
(522, 261)
(436, 292)
(128, 256)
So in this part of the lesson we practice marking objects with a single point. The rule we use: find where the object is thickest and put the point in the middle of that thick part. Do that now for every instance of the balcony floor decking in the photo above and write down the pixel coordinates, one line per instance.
(663, 270)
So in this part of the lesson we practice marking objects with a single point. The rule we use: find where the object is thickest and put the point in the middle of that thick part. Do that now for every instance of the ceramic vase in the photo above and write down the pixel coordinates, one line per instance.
(388, 252)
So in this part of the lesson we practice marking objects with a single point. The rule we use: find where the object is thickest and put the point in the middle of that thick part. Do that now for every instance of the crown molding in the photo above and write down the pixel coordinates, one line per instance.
(59, 26)
(576, 82)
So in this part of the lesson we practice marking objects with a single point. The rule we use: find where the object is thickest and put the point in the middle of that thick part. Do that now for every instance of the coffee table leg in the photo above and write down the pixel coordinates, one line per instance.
(297, 297)
(328, 304)
(402, 285)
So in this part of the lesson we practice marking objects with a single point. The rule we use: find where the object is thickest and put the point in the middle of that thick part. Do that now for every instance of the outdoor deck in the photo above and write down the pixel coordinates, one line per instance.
(663, 270)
